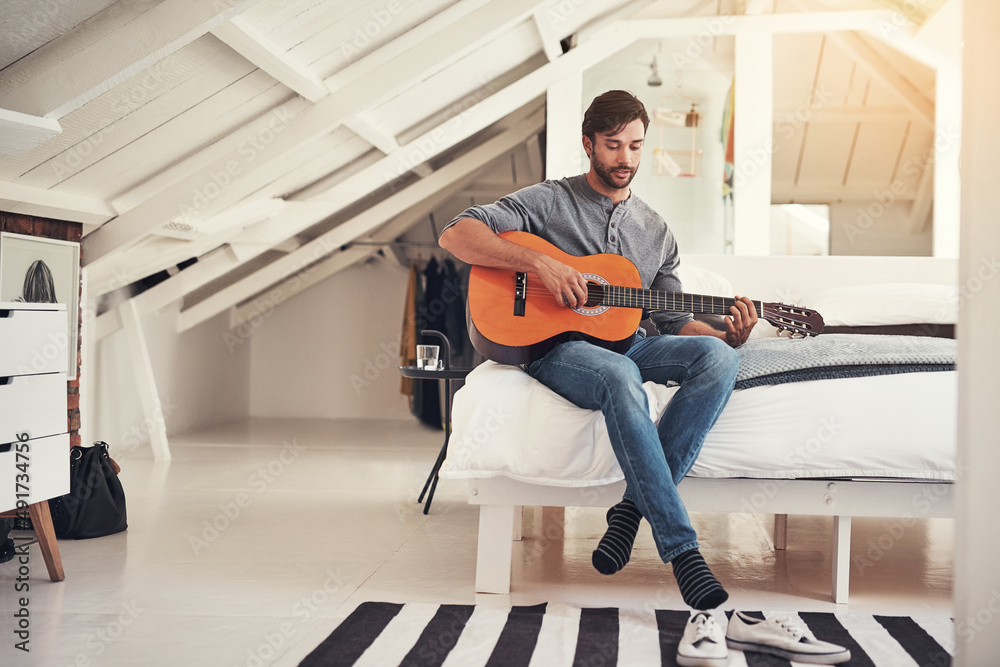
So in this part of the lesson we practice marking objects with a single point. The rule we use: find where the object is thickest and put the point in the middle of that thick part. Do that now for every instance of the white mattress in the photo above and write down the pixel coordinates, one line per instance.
(896, 426)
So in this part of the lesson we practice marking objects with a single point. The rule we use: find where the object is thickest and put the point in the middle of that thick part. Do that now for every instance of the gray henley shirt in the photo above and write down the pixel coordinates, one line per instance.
(578, 220)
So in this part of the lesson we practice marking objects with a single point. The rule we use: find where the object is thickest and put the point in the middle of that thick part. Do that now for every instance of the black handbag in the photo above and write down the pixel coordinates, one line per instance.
(95, 504)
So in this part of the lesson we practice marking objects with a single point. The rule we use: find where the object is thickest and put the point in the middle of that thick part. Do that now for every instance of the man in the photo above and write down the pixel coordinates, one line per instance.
(593, 213)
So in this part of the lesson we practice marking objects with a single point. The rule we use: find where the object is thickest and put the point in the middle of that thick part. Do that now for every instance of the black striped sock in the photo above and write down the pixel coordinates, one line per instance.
(699, 587)
(615, 548)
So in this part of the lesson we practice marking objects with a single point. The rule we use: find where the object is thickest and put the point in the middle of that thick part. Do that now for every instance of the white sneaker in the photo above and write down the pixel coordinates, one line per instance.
(703, 643)
(785, 636)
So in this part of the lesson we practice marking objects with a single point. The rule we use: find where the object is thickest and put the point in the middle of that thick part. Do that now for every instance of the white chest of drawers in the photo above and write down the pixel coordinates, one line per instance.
(33, 366)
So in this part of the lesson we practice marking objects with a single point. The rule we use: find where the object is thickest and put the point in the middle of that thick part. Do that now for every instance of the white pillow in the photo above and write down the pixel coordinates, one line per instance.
(886, 304)
(695, 280)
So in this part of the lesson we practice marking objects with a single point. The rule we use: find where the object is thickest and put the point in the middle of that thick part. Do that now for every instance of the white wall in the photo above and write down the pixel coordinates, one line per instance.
(202, 381)
(877, 228)
(693, 207)
(332, 351)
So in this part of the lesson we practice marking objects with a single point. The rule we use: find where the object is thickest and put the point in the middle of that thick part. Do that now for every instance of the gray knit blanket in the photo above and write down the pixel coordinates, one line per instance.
(779, 360)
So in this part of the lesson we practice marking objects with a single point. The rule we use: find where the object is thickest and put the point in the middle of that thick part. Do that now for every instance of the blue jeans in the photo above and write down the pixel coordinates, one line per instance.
(653, 458)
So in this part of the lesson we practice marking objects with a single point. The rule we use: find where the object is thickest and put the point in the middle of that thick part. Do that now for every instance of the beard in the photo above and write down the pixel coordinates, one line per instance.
(607, 173)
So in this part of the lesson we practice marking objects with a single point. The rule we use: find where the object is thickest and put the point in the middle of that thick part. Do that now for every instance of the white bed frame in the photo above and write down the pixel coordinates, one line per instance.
(770, 279)
(500, 500)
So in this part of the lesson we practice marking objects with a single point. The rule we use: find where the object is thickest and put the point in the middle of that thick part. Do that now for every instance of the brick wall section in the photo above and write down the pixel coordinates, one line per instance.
(18, 223)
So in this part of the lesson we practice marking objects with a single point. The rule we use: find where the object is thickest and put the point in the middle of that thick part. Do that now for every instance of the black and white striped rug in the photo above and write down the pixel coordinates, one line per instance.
(381, 634)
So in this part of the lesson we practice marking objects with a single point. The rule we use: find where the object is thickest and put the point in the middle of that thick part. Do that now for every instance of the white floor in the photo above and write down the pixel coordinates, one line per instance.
(251, 545)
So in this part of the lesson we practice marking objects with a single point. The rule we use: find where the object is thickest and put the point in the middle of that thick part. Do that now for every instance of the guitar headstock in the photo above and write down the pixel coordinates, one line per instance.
(797, 321)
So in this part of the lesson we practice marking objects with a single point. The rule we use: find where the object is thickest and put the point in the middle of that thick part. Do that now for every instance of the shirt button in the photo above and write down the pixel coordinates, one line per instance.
(612, 225)
(612, 238)
(609, 211)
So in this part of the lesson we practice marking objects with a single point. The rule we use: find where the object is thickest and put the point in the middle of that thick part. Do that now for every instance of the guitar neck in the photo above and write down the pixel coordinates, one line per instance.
(653, 300)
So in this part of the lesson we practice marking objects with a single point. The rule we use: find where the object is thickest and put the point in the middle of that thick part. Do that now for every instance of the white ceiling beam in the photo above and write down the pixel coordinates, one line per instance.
(373, 135)
(363, 67)
(792, 115)
(798, 22)
(247, 40)
(550, 40)
(881, 70)
(786, 193)
(20, 132)
(379, 139)
(207, 269)
(251, 220)
(165, 28)
(923, 201)
(645, 8)
(51, 204)
(363, 223)
(287, 134)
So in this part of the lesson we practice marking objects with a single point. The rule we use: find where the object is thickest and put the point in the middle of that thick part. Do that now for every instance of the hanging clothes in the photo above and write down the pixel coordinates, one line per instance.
(454, 313)
(429, 315)
(408, 336)
(728, 145)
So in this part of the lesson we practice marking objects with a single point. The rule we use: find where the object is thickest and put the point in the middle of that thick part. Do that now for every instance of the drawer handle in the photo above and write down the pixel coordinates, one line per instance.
(6, 312)
(6, 380)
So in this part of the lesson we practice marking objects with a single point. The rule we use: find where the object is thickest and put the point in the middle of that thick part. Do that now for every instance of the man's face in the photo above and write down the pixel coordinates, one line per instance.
(615, 158)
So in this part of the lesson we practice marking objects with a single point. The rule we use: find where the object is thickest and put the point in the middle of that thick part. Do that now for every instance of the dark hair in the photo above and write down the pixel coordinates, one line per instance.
(610, 112)
(38, 284)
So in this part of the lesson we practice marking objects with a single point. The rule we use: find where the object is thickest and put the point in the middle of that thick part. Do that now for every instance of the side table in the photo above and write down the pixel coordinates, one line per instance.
(447, 374)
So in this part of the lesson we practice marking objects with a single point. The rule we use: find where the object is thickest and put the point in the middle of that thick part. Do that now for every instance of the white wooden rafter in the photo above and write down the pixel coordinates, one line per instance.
(251, 219)
(411, 39)
(360, 225)
(250, 42)
(163, 29)
(847, 114)
(20, 132)
(818, 193)
(377, 137)
(52, 204)
(881, 70)
(923, 200)
(550, 40)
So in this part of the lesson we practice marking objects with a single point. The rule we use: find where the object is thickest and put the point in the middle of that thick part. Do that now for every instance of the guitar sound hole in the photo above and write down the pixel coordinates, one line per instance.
(595, 294)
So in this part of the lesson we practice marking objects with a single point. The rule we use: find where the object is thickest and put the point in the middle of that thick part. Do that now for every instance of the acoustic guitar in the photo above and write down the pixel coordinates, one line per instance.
(514, 319)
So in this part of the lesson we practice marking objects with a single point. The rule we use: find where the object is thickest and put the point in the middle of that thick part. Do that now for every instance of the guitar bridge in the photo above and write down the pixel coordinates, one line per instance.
(520, 292)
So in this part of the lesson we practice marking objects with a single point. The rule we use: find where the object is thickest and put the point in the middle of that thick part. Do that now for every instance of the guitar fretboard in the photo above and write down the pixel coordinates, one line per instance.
(635, 297)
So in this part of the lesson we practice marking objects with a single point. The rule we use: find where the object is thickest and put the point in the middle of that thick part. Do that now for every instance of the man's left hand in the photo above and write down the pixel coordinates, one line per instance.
(742, 319)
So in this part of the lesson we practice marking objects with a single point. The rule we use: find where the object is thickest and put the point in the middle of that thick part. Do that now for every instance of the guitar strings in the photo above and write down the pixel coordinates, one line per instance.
(654, 301)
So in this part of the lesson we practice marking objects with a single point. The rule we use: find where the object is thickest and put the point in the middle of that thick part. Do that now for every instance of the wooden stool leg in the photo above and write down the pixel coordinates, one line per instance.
(41, 520)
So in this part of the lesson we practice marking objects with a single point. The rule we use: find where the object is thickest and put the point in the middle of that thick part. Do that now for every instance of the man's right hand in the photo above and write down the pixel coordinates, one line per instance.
(565, 283)
(474, 243)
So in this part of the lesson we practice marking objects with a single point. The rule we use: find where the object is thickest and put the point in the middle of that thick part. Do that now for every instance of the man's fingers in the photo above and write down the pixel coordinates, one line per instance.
(749, 308)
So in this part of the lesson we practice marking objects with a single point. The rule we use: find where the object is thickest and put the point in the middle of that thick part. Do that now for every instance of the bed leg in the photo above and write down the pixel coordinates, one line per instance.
(518, 523)
(841, 558)
(493, 559)
(780, 532)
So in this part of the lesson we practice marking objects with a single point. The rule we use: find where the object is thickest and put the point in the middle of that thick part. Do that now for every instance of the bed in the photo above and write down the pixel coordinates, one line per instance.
(841, 447)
